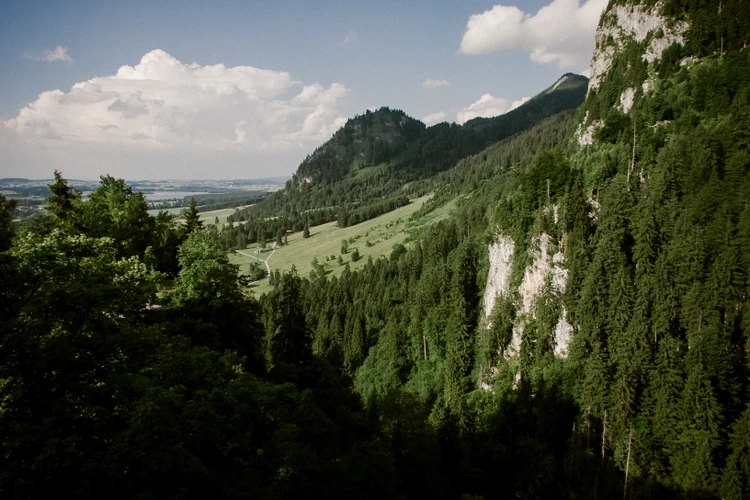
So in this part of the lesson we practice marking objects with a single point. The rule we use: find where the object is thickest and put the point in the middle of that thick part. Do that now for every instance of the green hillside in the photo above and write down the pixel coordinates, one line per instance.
(641, 206)
(377, 161)
(374, 238)
(548, 304)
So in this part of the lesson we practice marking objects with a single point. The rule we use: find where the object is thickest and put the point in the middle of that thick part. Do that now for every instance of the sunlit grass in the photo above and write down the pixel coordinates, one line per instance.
(324, 243)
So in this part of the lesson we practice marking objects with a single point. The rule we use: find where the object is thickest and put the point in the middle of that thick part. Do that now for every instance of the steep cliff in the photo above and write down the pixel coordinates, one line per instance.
(641, 288)
(630, 42)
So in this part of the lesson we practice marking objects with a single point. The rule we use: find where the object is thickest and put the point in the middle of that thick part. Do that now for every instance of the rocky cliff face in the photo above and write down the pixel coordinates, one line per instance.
(498, 278)
(545, 275)
(622, 24)
(630, 43)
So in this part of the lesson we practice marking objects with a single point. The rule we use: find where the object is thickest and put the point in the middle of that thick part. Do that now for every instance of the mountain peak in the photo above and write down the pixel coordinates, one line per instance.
(567, 81)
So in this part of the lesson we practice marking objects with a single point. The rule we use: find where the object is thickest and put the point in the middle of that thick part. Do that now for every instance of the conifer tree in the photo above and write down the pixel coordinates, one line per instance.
(661, 398)
(64, 200)
(193, 221)
(699, 420)
(735, 481)
(288, 341)
(593, 388)
(354, 339)
(459, 330)
(495, 339)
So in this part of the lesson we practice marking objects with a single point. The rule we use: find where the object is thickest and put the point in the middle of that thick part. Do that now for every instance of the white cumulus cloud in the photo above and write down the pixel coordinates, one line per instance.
(435, 84)
(562, 32)
(162, 103)
(59, 53)
(434, 118)
(488, 106)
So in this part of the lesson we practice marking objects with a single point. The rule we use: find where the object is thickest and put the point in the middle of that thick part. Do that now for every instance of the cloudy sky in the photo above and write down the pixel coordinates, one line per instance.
(156, 90)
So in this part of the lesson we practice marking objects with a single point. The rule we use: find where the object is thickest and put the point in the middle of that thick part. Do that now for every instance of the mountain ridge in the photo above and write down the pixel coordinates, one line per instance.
(405, 130)
(376, 157)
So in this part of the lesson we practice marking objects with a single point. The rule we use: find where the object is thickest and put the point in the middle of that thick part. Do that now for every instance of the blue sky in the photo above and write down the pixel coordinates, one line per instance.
(290, 74)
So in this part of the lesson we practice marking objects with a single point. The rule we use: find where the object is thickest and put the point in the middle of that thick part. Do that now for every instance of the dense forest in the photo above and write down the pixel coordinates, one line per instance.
(135, 363)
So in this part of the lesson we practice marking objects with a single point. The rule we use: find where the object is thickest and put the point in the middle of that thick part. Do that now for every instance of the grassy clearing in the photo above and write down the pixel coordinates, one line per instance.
(207, 217)
(174, 211)
(325, 242)
(210, 217)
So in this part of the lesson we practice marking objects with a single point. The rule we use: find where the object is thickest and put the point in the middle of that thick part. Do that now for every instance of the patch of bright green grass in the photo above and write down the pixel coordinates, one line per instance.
(207, 217)
(382, 233)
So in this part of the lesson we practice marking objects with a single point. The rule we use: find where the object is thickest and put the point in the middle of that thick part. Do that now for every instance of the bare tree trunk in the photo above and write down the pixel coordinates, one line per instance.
(721, 51)
(632, 160)
(604, 435)
(627, 465)
(424, 346)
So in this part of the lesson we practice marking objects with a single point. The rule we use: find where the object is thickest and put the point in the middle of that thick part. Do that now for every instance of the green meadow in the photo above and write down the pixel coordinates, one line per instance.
(206, 217)
(372, 238)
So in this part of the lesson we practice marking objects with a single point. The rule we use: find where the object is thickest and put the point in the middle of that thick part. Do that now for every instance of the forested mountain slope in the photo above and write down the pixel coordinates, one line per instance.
(369, 165)
(416, 151)
(612, 333)
(578, 328)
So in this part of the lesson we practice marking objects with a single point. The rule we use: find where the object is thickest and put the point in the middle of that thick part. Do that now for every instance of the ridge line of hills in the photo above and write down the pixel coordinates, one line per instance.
(378, 160)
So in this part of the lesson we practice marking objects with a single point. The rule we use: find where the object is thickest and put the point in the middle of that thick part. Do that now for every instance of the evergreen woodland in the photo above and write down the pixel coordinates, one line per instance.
(135, 363)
